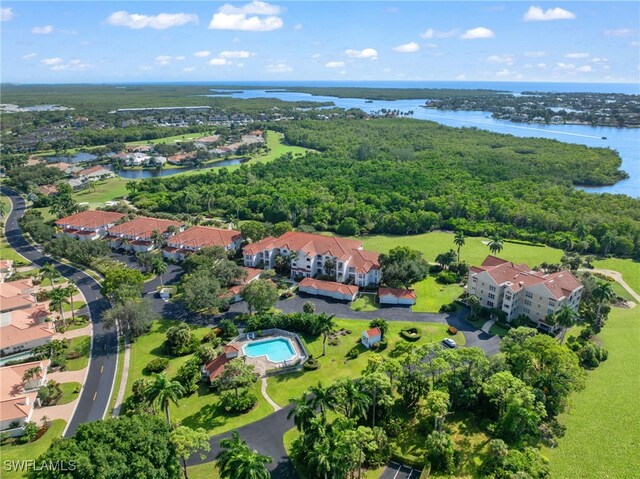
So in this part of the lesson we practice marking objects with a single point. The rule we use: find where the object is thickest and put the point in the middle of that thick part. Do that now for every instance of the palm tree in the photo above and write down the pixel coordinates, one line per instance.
(208, 196)
(49, 271)
(607, 241)
(474, 304)
(57, 300)
(31, 373)
(321, 398)
(565, 318)
(157, 239)
(603, 293)
(302, 412)
(235, 460)
(356, 401)
(325, 323)
(159, 267)
(162, 391)
(459, 241)
(495, 243)
(71, 290)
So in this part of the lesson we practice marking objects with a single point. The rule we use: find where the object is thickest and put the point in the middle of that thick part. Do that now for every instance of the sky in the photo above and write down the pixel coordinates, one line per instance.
(146, 41)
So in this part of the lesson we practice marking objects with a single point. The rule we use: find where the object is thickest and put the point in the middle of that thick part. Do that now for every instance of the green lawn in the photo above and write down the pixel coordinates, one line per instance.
(430, 295)
(112, 189)
(334, 365)
(70, 392)
(473, 252)
(82, 345)
(207, 470)
(623, 293)
(202, 408)
(174, 139)
(32, 450)
(76, 306)
(603, 429)
(366, 302)
(629, 268)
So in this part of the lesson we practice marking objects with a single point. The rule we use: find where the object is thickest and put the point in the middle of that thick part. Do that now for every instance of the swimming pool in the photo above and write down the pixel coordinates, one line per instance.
(276, 349)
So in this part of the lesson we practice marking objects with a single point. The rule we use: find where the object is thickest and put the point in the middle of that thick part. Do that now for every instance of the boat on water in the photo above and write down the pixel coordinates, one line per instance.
(604, 137)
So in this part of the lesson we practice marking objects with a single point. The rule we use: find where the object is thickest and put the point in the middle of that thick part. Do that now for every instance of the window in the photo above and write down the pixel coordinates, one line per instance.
(552, 302)
(529, 294)
(549, 311)
(492, 288)
(491, 296)
(527, 302)
(490, 304)
(507, 296)
(526, 310)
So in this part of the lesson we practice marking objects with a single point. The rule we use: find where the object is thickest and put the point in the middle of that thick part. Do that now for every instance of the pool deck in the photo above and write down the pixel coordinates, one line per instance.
(261, 363)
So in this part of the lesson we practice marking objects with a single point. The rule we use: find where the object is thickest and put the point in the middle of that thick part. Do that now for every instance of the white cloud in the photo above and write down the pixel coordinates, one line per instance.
(366, 53)
(278, 68)
(620, 32)
(235, 54)
(163, 59)
(316, 55)
(161, 21)
(538, 54)
(297, 26)
(478, 32)
(145, 67)
(6, 14)
(73, 65)
(431, 33)
(461, 77)
(264, 17)
(537, 14)
(507, 59)
(634, 44)
(584, 69)
(410, 47)
(543, 66)
(46, 30)
(504, 73)
(202, 54)
(52, 61)
(334, 64)
(188, 69)
(181, 57)
(219, 62)
(570, 67)
(577, 55)
(30, 56)
(599, 60)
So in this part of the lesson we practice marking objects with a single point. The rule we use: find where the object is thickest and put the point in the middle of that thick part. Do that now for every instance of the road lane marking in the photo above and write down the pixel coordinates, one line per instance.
(101, 368)
(94, 395)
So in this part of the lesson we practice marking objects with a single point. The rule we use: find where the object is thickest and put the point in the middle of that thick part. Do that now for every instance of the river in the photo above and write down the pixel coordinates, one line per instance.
(626, 141)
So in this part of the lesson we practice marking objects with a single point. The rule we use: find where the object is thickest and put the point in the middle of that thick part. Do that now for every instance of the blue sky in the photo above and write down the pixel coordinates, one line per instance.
(103, 41)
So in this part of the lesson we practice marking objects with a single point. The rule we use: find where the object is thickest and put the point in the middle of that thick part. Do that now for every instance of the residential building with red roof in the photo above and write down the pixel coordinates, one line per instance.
(316, 287)
(214, 368)
(342, 258)
(518, 290)
(198, 237)
(235, 292)
(47, 190)
(396, 296)
(371, 337)
(18, 398)
(62, 166)
(95, 173)
(89, 224)
(137, 234)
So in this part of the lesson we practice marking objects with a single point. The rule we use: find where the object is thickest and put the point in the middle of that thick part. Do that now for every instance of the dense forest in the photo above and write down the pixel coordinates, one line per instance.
(407, 176)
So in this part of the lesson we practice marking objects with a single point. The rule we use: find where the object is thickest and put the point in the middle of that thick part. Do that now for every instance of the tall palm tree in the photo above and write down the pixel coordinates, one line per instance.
(235, 460)
(157, 238)
(50, 272)
(159, 267)
(302, 412)
(31, 373)
(459, 240)
(495, 243)
(355, 401)
(607, 241)
(162, 391)
(71, 291)
(321, 398)
(565, 318)
(208, 196)
(325, 323)
(57, 299)
(603, 293)
(474, 304)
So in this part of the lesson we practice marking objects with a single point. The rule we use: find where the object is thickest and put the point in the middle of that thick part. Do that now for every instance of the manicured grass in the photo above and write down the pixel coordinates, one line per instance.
(473, 252)
(629, 268)
(46, 214)
(207, 470)
(334, 365)
(82, 345)
(76, 306)
(112, 189)
(174, 139)
(32, 450)
(201, 409)
(623, 293)
(366, 302)
(603, 431)
(119, 371)
(430, 295)
(70, 392)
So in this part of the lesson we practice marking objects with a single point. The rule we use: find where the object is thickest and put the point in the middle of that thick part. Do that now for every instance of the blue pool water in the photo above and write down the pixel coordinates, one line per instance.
(276, 350)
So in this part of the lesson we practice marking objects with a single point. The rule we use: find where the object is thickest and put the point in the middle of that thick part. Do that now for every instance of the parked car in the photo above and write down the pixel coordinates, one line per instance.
(450, 343)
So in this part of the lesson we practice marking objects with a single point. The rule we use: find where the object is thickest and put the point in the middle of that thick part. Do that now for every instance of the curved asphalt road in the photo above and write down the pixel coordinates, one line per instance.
(96, 392)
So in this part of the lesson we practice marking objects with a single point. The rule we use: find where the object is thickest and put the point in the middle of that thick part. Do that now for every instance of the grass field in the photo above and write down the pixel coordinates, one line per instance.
(430, 295)
(204, 471)
(473, 252)
(32, 450)
(629, 268)
(366, 302)
(201, 409)
(112, 189)
(603, 428)
(334, 365)
(70, 392)
(82, 345)
(173, 139)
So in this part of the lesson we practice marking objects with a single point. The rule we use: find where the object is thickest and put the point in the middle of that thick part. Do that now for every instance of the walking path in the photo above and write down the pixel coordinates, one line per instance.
(123, 380)
(75, 333)
(486, 327)
(263, 390)
(618, 277)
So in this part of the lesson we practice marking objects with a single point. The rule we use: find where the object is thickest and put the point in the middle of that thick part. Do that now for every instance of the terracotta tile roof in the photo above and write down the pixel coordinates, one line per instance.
(231, 347)
(215, 367)
(265, 243)
(143, 227)
(329, 286)
(16, 295)
(89, 219)
(397, 292)
(364, 261)
(561, 284)
(310, 244)
(11, 383)
(48, 189)
(6, 263)
(26, 325)
(17, 408)
(62, 166)
(94, 169)
(373, 332)
(180, 157)
(202, 236)
(491, 261)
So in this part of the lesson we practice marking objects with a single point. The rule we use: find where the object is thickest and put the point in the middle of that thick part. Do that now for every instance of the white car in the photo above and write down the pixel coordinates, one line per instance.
(450, 343)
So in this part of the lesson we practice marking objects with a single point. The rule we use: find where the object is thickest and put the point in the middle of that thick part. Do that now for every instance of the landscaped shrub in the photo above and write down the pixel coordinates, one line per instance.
(180, 340)
(157, 365)
(447, 277)
(591, 355)
(205, 353)
(452, 330)
(243, 403)
(50, 394)
(411, 334)
(212, 338)
(353, 353)
(311, 365)
(394, 426)
(228, 330)
(382, 345)
(449, 308)
(189, 375)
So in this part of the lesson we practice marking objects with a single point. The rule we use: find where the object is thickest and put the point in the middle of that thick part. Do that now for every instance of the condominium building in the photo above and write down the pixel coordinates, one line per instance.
(518, 290)
(198, 237)
(88, 225)
(138, 234)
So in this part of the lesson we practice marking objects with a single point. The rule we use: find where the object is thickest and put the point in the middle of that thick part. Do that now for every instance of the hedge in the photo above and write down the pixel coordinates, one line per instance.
(411, 334)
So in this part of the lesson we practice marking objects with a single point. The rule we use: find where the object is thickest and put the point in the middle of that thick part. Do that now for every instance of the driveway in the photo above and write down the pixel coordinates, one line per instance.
(96, 393)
